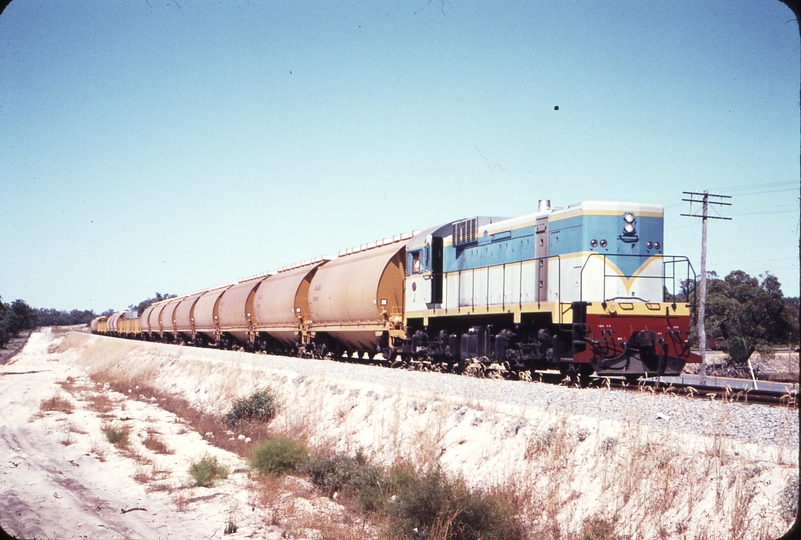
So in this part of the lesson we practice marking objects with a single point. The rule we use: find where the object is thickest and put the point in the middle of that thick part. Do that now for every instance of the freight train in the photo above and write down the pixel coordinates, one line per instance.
(581, 289)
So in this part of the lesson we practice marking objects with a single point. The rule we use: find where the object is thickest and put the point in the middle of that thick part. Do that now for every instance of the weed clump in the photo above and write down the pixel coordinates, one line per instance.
(417, 503)
(260, 406)
(116, 434)
(156, 444)
(598, 528)
(56, 403)
(278, 456)
(207, 470)
(351, 477)
(437, 505)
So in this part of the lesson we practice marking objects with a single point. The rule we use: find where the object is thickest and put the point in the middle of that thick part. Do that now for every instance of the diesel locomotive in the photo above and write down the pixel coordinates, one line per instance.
(581, 289)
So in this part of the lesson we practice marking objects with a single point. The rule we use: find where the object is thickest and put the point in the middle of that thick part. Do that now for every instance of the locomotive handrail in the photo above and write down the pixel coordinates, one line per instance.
(674, 260)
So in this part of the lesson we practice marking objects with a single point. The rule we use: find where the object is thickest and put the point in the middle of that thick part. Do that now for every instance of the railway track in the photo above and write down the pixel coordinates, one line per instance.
(716, 388)
(765, 393)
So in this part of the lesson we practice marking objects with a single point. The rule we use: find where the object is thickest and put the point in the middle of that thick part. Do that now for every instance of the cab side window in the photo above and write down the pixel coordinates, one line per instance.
(416, 262)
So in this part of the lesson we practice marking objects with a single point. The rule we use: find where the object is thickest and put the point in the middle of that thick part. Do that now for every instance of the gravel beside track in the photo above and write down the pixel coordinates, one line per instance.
(747, 423)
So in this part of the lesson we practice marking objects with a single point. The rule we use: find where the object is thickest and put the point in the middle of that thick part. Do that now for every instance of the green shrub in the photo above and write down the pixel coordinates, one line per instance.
(434, 504)
(116, 434)
(446, 508)
(207, 470)
(738, 349)
(351, 477)
(278, 456)
(260, 406)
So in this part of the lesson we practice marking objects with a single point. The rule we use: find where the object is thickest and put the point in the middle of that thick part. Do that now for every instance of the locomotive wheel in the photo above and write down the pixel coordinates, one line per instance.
(585, 372)
(524, 375)
(474, 369)
(577, 374)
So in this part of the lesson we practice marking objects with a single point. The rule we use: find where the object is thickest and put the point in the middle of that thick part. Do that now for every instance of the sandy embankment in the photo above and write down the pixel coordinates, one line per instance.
(572, 464)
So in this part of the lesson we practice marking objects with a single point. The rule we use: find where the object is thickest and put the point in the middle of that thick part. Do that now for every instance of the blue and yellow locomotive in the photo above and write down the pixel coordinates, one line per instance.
(580, 289)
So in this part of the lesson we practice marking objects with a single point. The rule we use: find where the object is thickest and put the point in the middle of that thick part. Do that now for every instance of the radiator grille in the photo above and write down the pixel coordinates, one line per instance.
(465, 231)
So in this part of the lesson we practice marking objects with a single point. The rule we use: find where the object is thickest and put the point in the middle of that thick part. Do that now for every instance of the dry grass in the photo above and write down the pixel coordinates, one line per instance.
(294, 505)
(159, 487)
(74, 429)
(130, 453)
(56, 404)
(156, 444)
(143, 475)
(72, 386)
(100, 403)
(180, 500)
(211, 426)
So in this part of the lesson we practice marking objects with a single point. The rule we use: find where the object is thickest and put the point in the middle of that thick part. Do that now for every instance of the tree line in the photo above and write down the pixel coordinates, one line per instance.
(743, 313)
(14, 318)
(18, 316)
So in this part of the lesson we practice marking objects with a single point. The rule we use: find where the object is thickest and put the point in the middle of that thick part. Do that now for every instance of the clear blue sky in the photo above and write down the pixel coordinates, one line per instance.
(167, 146)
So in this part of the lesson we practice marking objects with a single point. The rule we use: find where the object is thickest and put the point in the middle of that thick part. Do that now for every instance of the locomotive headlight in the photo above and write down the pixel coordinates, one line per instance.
(628, 229)
(628, 217)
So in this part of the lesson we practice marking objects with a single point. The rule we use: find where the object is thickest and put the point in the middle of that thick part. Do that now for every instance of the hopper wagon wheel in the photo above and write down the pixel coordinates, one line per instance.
(391, 356)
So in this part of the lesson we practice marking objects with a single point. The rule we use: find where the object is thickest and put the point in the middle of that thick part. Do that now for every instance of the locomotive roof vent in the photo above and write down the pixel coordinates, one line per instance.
(464, 231)
(544, 205)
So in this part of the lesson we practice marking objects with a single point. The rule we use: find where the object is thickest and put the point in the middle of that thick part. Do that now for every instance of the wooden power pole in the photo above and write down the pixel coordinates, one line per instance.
(703, 200)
